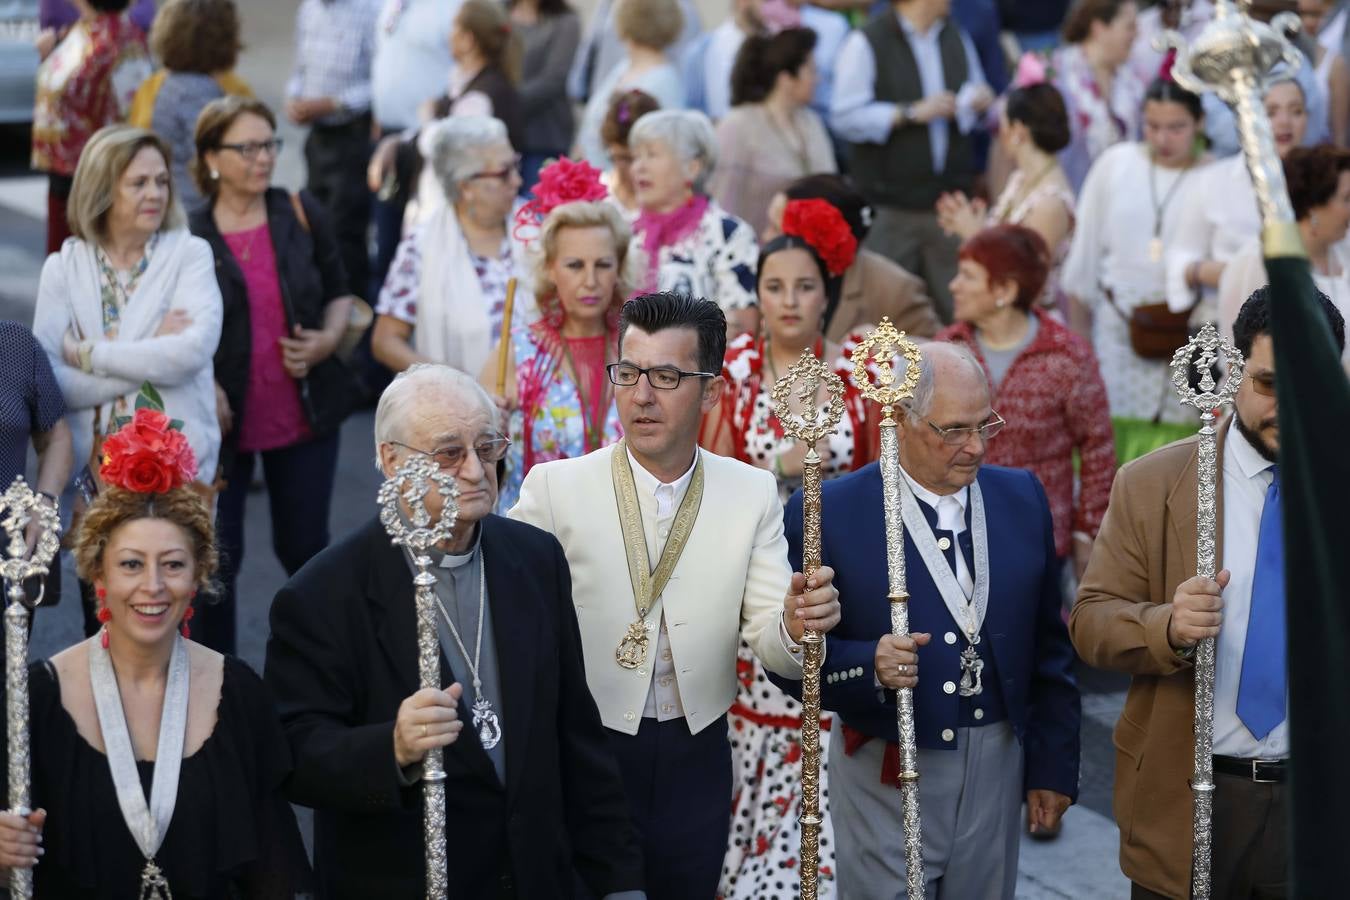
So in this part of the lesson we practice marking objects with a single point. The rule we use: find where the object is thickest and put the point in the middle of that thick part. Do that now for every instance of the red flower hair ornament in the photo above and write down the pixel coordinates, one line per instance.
(823, 227)
(561, 181)
(148, 454)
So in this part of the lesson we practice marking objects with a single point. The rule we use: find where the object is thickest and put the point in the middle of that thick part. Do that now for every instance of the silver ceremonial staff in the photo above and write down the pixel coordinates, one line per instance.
(879, 352)
(404, 515)
(19, 506)
(810, 424)
(1200, 354)
(1232, 56)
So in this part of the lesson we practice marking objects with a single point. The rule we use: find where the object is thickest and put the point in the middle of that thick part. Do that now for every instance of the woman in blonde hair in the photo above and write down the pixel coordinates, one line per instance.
(131, 297)
(157, 764)
(557, 388)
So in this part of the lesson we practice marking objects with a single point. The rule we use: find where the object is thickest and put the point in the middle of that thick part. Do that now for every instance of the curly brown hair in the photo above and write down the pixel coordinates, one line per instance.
(1312, 175)
(116, 506)
(196, 36)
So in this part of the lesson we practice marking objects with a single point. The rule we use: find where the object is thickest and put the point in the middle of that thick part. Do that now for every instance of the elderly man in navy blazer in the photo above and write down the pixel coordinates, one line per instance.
(997, 709)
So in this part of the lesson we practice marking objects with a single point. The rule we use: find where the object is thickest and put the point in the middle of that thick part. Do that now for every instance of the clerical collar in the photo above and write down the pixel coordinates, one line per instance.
(1249, 460)
(456, 560)
(924, 495)
(650, 482)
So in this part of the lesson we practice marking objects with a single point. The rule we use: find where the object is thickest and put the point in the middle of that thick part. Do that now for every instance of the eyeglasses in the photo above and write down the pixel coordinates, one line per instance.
(250, 149)
(665, 378)
(451, 458)
(1263, 383)
(955, 437)
(500, 174)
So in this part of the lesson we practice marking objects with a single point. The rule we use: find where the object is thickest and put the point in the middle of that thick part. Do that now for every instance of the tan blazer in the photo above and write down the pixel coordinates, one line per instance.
(1146, 547)
(874, 286)
(730, 582)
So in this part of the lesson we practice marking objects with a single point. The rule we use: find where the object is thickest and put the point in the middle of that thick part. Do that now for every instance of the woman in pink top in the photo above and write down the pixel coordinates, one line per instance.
(280, 392)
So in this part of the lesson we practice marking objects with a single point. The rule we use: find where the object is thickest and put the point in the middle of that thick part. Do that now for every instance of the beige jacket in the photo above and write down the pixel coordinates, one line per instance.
(874, 286)
(729, 583)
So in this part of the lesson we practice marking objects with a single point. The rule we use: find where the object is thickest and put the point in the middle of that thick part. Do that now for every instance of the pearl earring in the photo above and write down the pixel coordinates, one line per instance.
(215, 176)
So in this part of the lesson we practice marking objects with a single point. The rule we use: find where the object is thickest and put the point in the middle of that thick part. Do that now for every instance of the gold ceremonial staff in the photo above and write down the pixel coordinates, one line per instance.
(880, 349)
(803, 382)
(19, 506)
(1232, 56)
(404, 515)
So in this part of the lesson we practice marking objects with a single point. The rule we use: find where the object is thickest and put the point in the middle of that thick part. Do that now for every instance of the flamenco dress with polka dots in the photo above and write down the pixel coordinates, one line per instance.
(765, 724)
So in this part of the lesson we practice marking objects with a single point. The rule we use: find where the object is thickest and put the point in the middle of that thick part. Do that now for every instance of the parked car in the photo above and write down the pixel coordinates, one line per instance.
(18, 60)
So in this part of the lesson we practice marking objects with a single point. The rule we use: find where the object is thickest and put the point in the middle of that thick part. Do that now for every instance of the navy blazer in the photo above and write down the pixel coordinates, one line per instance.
(1024, 641)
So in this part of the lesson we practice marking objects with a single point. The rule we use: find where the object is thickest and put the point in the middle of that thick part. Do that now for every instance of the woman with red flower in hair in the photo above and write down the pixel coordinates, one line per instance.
(797, 287)
(557, 389)
(157, 763)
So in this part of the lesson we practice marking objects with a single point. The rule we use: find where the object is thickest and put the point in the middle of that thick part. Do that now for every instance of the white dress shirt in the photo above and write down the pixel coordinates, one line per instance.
(858, 116)
(659, 502)
(723, 44)
(1246, 476)
(951, 510)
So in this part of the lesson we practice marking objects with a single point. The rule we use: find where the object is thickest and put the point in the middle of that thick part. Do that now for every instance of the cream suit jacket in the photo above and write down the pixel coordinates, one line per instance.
(729, 583)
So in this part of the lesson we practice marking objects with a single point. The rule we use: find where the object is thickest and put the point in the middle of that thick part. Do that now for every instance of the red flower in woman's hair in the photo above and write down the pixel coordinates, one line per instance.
(561, 181)
(822, 226)
(148, 455)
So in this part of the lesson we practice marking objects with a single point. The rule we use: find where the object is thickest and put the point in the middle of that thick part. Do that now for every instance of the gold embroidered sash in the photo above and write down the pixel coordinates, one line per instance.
(648, 584)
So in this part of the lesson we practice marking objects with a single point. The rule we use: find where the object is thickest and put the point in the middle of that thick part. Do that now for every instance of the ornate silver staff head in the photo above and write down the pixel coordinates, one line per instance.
(403, 504)
(1200, 354)
(874, 367)
(19, 506)
(1232, 51)
(1234, 56)
(802, 383)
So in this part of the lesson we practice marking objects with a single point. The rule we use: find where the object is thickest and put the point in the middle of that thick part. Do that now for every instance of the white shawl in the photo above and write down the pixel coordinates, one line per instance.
(452, 314)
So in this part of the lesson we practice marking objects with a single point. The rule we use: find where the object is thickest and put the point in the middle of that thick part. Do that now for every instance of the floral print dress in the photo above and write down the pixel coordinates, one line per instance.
(557, 428)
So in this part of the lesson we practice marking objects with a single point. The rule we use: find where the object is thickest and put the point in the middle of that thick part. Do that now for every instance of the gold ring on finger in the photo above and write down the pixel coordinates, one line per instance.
(424, 731)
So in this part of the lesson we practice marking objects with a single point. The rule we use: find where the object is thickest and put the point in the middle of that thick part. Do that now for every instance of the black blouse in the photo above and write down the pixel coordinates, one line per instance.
(232, 834)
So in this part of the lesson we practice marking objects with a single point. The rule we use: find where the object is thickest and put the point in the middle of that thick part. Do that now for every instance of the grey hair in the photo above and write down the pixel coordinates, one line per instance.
(456, 146)
(404, 391)
(688, 133)
(920, 405)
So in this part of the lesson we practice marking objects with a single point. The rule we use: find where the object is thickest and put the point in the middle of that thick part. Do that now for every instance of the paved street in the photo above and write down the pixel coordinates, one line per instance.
(1081, 864)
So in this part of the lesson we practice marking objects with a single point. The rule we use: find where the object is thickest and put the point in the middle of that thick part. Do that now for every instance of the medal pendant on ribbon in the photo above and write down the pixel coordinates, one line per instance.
(154, 886)
(632, 649)
(972, 668)
(1155, 250)
(486, 723)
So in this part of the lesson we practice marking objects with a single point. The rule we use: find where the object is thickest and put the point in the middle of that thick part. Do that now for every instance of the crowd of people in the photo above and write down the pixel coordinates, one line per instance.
(572, 260)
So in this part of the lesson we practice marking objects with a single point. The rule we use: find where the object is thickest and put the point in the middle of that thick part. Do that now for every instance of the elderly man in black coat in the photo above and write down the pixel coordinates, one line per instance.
(534, 803)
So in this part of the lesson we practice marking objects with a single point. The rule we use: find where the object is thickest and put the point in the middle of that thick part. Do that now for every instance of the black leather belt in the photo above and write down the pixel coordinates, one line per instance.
(1262, 771)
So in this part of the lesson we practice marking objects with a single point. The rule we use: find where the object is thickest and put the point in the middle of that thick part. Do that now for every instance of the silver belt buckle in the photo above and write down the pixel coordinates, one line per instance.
(1261, 762)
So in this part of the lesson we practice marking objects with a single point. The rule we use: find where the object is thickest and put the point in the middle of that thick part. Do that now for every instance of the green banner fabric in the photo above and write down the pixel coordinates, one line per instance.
(1314, 399)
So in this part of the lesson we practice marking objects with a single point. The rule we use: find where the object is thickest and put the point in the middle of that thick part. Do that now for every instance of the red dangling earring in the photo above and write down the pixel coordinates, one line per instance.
(101, 593)
(187, 617)
(104, 615)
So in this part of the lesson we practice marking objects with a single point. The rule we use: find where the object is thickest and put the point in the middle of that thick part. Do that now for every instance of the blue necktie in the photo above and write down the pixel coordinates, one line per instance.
(1261, 688)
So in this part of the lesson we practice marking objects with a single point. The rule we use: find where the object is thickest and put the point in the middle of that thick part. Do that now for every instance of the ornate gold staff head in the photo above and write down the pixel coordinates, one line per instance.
(802, 382)
(1201, 353)
(409, 522)
(19, 506)
(877, 356)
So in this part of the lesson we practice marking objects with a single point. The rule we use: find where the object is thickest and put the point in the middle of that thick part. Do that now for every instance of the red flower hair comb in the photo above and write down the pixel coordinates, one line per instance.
(148, 454)
(561, 181)
(823, 227)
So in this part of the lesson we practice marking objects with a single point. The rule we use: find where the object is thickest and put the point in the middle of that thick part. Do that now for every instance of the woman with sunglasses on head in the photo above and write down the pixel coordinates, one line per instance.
(559, 394)
(280, 391)
(798, 284)
(445, 296)
(1046, 381)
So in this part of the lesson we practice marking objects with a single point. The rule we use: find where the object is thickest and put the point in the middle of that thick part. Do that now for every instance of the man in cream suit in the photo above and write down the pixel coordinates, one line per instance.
(676, 554)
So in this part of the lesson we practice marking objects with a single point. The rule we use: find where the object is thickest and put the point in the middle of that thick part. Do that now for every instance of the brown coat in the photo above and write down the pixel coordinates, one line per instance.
(875, 287)
(1146, 547)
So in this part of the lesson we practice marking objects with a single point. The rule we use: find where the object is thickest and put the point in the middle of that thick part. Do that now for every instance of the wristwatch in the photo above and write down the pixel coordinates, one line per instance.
(904, 115)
